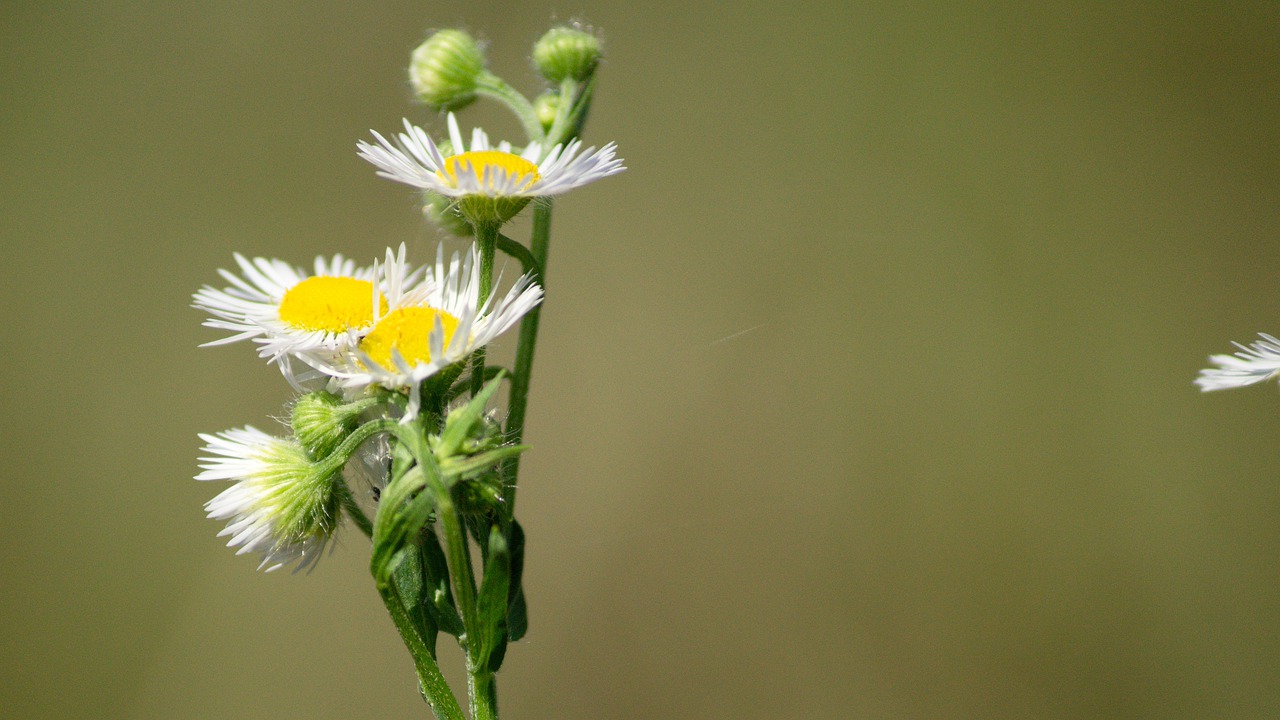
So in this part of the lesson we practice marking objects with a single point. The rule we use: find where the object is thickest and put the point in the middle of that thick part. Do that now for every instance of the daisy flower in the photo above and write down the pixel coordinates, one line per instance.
(444, 325)
(289, 312)
(1252, 364)
(483, 170)
(282, 505)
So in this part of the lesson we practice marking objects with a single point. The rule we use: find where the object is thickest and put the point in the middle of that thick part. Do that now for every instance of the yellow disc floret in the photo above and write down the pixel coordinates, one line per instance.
(491, 162)
(407, 330)
(331, 304)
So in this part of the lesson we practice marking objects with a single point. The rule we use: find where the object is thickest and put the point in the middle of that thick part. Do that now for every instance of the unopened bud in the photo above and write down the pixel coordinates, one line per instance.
(545, 106)
(443, 212)
(445, 68)
(567, 52)
(321, 422)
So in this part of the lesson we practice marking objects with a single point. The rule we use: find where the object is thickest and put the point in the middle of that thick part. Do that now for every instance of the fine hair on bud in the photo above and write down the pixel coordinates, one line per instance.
(567, 52)
(445, 69)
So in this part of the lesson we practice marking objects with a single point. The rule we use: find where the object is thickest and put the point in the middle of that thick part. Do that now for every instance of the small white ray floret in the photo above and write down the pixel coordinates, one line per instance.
(1255, 363)
(482, 168)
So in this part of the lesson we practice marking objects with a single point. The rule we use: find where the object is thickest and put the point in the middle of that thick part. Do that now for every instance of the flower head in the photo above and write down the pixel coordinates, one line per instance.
(282, 505)
(486, 171)
(289, 312)
(1254, 363)
(444, 325)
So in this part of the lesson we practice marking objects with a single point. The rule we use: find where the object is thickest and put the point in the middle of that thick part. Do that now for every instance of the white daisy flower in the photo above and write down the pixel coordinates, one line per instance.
(1255, 363)
(415, 341)
(288, 312)
(282, 505)
(485, 170)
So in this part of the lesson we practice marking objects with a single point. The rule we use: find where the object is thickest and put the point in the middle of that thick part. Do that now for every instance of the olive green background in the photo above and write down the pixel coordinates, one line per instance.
(864, 393)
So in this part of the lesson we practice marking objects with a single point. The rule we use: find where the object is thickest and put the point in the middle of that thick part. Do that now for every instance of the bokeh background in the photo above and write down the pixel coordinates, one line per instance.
(864, 393)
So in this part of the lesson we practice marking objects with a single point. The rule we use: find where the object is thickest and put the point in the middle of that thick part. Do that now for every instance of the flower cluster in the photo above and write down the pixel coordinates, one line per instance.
(352, 329)
(389, 360)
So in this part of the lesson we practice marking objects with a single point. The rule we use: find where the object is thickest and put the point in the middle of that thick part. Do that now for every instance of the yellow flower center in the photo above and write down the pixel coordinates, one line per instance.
(493, 161)
(407, 330)
(332, 304)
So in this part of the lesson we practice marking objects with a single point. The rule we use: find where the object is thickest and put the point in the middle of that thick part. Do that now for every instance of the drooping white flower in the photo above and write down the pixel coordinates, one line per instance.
(289, 312)
(483, 169)
(282, 504)
(443, 325)
(1255, 363)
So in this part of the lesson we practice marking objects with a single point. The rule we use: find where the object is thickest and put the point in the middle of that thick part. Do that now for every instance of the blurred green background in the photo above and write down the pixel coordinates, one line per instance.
(864, 393)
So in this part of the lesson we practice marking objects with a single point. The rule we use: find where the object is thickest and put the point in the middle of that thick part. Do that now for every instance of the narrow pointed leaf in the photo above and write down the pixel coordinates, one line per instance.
(492, 599)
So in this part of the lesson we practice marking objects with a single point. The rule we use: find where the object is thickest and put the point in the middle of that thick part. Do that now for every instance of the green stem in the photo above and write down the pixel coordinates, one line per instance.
(525, 345)
(434, 688)
(492, 86)
(520, 253)
(487, 239)
(483, 688)
(456, 551)
(560, 127)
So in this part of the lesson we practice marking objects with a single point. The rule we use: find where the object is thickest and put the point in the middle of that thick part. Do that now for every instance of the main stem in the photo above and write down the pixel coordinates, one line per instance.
(484, 695)
(481, 685)
(434, 688)
(519, 401)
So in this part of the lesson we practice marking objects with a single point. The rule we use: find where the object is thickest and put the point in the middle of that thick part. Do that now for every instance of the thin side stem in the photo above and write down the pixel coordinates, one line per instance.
(520, 253)
(494, 87)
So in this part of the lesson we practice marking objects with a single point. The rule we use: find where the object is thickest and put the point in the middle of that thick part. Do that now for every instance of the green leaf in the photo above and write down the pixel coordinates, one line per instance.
(517, 617)
(402, 511)
(517, 612)
(407, 573)
(476, 463)
(492, 600)
(436, 579)
(459, 425)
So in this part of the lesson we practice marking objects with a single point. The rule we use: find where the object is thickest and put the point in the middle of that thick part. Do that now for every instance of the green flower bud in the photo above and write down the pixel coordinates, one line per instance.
(444, 70)
(545, 106)
(443, 212)
(480, 496)
(567, 52)
(321, 422)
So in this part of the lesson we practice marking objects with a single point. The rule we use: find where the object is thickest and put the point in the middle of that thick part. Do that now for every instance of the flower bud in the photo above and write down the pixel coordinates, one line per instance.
(566, 52)
(545, 106)
(321, 422)
(445, 68)
(443, 213)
